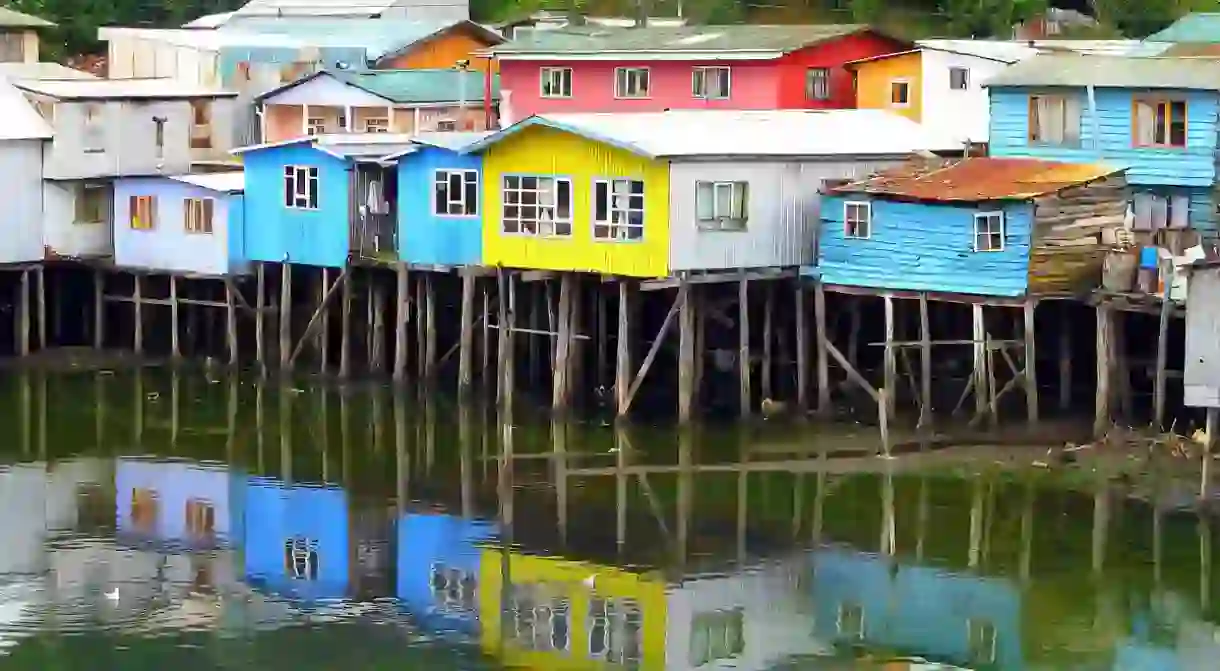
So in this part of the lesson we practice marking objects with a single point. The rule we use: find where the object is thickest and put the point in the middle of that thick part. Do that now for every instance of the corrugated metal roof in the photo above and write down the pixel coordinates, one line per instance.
(734, 133)
(407, 86)
(223, 182)
(381, 37)
(11, 18)
(455, 140)
(365, 8)
(209, 20)
(1193, 50)
(1195, 27)
(1111, 72)
(21, 120)
(42, 71)
(91, 89)
(996, 50)
(976, 179)
(1103, 47)
(597, 40)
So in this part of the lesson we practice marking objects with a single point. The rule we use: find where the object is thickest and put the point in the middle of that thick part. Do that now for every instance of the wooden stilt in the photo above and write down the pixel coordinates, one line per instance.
(345, 343)
(1031, 365)
(175, 346)
(43, 341)
(466, 338)
(819, 328)
(979, 375)
(925, 364)
(510, 368)
(768, 346)
(853, 333)
(1162, 358)
(646, 365)
(601, 334)
(686, 353)
(486, 329)
(99, 310)
(324, 328)
(320, 314)
(1065, 361)
(379, 358)
(369, 309)
(231, 319)
(700, 337)
(402, 301)
(743, 345)
(430, 327)
(561, 385)
(1121, 376)
(891, 361)
(502, 332)
(285, 315)
(260, 314)
(622, 362)
(23, 314)
(802, 348)
(138, 344)
(1105, 351)
(421, 344)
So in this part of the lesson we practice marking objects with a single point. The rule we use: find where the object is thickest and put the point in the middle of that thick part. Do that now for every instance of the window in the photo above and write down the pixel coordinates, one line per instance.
(301, 558)
(200, 518)
(539, 618)
(457, 193)
(982, 640)
(618, 209)
(454, 590)
(716, 636)
(315, 125)
(377, 124)
(198, 214)
(959, 79)
(446, 125)
(1155, 211)
(12, 47)
(201, 124)
(1160, 123)
(143, 212)
(555, 82)
(1054, 120)
(94, 134)
(615, 631)
(710, 83)
(159, 135)
(537, 205)
(144, 504)
(631, 82)
(817, 84)
(900, 93)
(92, 204)
(850, 621)
(300, 187)
(857, 220)
(721, 206)
(989, 232)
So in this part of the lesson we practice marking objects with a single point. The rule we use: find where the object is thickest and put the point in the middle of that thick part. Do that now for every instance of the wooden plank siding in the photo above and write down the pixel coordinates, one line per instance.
(1068, 252)
(424, 236)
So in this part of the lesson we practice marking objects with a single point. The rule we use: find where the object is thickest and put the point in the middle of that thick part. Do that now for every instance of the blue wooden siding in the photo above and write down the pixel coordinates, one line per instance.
(446, 542)
(276, 513)
(168, 246)
(277, 233)
(925, 247)
(424, 236)
(1194, 165)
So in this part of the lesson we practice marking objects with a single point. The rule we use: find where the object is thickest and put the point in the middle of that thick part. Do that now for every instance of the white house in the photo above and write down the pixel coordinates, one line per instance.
(23, 137)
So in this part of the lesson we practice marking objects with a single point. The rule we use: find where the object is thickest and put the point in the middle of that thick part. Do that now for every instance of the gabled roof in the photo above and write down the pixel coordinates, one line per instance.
(1111, 72)
(361, 8)
(346, 146)
(744, 134)
(15, 71)
(21, 120)
(119, 89)
(407, 87)
(728, 41)
(209, 20)
(383, 38)
(995, 50)
(978, 179)
(233, 181)
(457, 141)
(11, 18)
(1194, 27)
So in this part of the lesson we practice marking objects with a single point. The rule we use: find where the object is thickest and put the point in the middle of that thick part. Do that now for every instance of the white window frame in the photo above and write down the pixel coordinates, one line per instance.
(444, 176)
(548, 227)
(842, 610)
(704, 75)
(811, 92)
(624, 77)
(904, 82)
(619, 619)
(304, 550)
(965, 78)
(976, 629)
(617, 222)
(986, 218)
(446, 125)
(534, 609)
(377, 124)
(723, 221)
(198, 215)
(555, 77)
(315, 125)
(466, 588)
(848, 233)
(302, 177)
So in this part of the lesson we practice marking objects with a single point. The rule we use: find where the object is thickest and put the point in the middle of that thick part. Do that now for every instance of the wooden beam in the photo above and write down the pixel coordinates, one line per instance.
(466, 337)
(1031, 364)
(802, 348)
(285, 315)
(852, 373)
(622, 361)
(925, 364)
(1162, 359)
(317, 315)
(718, 278)
(819, 327)
(686, 355)
(646, 365)
(743, 344)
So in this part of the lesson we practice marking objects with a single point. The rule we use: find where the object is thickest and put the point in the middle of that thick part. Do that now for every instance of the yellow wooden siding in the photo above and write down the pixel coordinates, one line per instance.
(567, 578)
(873, 79)
(544, 151)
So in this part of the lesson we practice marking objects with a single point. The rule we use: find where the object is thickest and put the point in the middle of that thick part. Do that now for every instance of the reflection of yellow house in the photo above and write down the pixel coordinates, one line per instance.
(556, 620)
(891, 82)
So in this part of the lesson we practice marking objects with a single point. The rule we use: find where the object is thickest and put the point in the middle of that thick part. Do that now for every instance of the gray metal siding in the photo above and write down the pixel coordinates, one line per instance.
(21, 190)
(782, 215)
(1202, 375)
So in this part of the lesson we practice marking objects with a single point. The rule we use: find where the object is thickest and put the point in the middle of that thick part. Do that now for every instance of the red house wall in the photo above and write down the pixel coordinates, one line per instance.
(831, 54)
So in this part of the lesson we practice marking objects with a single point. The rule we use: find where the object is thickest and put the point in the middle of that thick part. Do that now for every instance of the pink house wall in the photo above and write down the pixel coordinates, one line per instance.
(753, 85)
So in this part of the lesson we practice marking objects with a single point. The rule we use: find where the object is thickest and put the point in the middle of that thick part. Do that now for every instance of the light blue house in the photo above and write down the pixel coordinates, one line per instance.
(980, 226)
(438, 569)
(181, 504)
(955, 618)
(182, 223)
(1155, 116)
(440, 200)
(318, 200)
(297, 539)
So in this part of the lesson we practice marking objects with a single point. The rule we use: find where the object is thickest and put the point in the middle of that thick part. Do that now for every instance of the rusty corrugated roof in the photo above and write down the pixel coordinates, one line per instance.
(976, 179)
(1193, 49)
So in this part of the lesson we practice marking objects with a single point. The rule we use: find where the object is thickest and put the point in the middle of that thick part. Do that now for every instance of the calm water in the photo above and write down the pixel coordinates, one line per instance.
(151, 521)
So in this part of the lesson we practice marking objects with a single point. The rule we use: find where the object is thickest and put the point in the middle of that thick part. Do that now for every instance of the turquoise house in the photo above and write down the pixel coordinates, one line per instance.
(976, 226)
(1157, 117)
(438, 570)
(318, 200)
(297, 539)
(440, 205)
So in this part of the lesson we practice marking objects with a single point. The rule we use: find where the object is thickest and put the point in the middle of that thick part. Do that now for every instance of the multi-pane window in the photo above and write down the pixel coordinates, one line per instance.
(377, 124)
(710, 83)
(446, 125)
(93, 136)
(300, 187)
(201, 124)
(959, 79)
(1155, 211)
(981, 636)
(1160, 123)
(456, 193)
(717, 635)
(454, 590)
(989, 232)
(92, 204)
(618, 209)
(198, 214)
(144, 505)
(315, 125)
(616, 631)
(200, 518)
(631, 83)
(555, 82)
(1054, 119)
(817, 84)
(540, 619)
(850, 621)
(900, 93)
(537, 205)
(143, 212)
(857, 220)
(722, 206)
(301, 558)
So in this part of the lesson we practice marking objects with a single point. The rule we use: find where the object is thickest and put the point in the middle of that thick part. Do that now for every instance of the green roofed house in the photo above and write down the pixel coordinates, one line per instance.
(19, 36)
(1197, 28)
(379, 101)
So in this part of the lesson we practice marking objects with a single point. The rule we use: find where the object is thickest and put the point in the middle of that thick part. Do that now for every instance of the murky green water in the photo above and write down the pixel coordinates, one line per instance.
(151, 521)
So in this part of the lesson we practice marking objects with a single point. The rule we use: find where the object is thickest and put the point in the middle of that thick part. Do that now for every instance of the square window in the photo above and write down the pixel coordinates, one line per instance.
(710, 83)
(143, 212)
(1054, 120)
(618, 209)
(857, 220)
(631, 83)
(900, 93)
(534, 205)
(1159, 123)
(456, 193)
(817, 84)
(959, 79)
(721, 206)
(300, 187)
(198, 214)
(555, 82)
(989, 232)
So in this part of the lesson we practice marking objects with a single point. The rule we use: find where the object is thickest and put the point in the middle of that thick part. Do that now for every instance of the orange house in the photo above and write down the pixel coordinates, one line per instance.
(458, 41)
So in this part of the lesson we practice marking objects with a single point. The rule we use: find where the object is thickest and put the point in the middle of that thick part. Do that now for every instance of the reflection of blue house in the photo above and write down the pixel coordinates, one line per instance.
(297, 539)
(438, 569)
(179, 503)
(955, 618)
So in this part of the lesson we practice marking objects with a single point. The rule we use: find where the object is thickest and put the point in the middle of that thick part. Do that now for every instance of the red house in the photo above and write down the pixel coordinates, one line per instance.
(651, 69)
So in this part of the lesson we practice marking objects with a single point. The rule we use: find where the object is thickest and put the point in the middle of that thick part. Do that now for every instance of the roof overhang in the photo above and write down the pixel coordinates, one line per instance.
(544, 122)
(489, 35)
(732, 55)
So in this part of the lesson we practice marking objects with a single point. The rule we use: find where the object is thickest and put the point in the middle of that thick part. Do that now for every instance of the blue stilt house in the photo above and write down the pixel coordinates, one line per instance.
(979, 226)
(297, 539)
(1155, 116)
(438, 570)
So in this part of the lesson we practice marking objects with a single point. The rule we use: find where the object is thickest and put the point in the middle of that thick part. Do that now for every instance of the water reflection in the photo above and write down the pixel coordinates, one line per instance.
(224, 515)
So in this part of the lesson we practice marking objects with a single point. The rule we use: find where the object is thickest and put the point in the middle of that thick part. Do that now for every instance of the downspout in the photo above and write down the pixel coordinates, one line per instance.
(487, 89)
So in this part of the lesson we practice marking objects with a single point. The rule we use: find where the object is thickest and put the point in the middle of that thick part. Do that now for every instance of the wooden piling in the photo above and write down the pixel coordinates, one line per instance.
(802, 348)
(402, 300)
(891, 358)
(1031, 365)
(378, 353)
(175, 347)
(345, 344)
(743, 344)
(285, 315)
(819, 328)
(768, 346)
(231, 319)
(429, 328)
(1162, 358)
(561, 385)
(23, 314)
(686, 353)
(486, 340)
(466, 337)
(853, 333)
(622, 362)
(260, 314)
(138, 327)
(925, 363)
(1105, 360)
(99, 310)
(324, 330)
(43, 341)
(979, 372)
(1065, 361)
